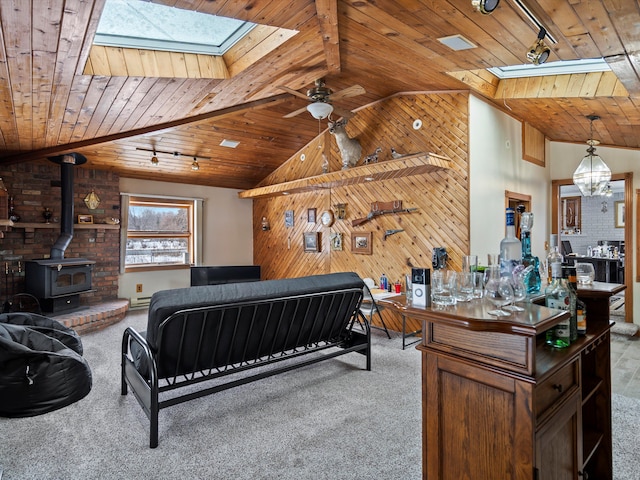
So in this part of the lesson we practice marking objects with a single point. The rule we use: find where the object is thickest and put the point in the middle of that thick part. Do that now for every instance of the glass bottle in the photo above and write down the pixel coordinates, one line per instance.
(581, 317)
(384, 282)
(557, 296)
(554, 255)
(570, 279)
(532, 279)
(510, 246)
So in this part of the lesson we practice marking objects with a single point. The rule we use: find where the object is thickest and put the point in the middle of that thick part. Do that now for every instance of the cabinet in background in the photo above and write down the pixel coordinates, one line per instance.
(499, 403)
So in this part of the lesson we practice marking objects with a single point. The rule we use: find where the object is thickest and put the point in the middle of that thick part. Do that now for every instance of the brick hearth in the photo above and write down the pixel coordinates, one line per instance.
(95, 317)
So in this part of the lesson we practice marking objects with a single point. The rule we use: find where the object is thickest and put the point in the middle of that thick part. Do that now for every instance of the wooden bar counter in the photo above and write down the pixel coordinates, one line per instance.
(497, 403)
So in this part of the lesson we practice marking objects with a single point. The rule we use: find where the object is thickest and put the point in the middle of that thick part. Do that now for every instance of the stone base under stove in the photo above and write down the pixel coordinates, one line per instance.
(95, 317)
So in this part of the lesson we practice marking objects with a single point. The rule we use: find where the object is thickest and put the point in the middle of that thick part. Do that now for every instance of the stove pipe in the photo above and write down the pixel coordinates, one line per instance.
(66, 162)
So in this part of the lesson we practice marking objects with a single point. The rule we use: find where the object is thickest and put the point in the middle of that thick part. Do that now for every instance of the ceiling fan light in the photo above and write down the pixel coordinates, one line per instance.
(486, 7)
(320, 110)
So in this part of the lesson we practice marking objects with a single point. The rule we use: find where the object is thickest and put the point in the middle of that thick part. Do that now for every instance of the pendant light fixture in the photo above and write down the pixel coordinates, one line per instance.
(592, 175)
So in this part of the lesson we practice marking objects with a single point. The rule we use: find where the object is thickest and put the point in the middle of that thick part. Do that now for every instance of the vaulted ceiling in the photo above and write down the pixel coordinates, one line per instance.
(50, 102)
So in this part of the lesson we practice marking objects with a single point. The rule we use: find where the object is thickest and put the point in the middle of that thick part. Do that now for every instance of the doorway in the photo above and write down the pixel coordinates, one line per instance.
(598, 227)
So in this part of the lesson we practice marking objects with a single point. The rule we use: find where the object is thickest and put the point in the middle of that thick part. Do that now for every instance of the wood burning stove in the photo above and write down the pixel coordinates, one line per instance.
(57, 281)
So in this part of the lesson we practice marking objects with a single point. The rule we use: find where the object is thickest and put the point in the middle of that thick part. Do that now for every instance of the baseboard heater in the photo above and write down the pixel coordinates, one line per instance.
(139, 302)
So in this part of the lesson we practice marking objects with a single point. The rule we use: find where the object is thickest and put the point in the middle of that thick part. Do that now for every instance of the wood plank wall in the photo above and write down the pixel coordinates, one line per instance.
(441, 198)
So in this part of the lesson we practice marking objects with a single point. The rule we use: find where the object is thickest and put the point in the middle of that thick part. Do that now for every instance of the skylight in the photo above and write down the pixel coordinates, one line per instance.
(565, 67)
(145, 25)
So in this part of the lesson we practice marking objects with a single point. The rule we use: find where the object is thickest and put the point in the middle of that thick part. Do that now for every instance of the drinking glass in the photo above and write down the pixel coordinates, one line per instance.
(464, 286)
(443, 284)
(498, 291)
(469, 263)
(585, 273)
(519, 288)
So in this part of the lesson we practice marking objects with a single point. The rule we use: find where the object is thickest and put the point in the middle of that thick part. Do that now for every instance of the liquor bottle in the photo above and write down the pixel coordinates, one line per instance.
(532, 280)
(570, 280)
(510, 246)
(557, 296)
(554, 255)
(581, 314)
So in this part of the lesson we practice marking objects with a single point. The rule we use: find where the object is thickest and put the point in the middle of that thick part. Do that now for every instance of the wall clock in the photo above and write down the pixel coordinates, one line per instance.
(327, 218)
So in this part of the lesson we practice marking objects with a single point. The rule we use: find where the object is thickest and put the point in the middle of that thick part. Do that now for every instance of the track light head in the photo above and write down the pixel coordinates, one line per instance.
(486, 7)
(195, 165)
(154, 159)
(539, 52)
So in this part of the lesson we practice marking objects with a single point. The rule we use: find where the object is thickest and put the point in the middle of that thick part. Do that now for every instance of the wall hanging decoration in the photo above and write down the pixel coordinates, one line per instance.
(336, 242)
(311, 241)
(311, 215)
(288, 218)
(619, 212)
(92, 201)
(361, 243)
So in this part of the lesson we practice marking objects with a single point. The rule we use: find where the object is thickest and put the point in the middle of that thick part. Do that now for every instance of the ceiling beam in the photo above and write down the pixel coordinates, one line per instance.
(58, 149)
(327, 11)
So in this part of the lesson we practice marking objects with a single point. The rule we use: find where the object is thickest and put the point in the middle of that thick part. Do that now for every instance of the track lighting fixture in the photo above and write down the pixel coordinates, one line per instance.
(592, 175)
(539, 52)
(485, 7)
(154, 159)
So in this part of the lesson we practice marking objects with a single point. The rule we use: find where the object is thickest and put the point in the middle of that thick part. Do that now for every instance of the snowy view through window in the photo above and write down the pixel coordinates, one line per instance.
(158, 234)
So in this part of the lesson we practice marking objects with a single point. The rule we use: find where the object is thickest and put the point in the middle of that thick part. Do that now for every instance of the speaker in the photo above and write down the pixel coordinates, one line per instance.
(421, 287)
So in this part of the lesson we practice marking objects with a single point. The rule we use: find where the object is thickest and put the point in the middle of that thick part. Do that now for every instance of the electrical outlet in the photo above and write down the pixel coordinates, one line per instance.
(138, 288)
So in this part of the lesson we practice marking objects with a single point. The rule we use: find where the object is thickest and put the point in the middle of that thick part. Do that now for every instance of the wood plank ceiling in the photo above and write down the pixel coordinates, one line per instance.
(49, 106)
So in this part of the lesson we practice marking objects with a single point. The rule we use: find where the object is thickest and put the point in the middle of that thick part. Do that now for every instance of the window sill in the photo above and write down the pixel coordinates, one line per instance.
(156, 268)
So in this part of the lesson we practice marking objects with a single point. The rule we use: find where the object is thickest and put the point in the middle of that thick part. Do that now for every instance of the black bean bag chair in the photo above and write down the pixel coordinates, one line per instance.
(41, 365)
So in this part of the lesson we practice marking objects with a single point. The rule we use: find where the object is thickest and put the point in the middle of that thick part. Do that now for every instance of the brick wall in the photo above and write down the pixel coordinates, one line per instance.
(36, 185)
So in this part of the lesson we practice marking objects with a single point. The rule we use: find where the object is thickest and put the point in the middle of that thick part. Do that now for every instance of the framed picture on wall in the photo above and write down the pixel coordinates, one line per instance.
(311, 215)
(361, 243)
(619, 214)
(311, 241)
(288, 218)
(85, 218)
(336, 241)
(571, 215)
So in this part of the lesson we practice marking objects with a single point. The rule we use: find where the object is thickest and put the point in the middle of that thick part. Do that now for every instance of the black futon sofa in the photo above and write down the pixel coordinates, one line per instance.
(232, 334)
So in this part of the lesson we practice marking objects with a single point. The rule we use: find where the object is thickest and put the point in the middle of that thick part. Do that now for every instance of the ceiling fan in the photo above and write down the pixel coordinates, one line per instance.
(321, 98)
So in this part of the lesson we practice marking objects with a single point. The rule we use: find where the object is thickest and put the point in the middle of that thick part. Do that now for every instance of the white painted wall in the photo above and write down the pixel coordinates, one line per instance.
(227, 230)
(496, 165)
(565, 158)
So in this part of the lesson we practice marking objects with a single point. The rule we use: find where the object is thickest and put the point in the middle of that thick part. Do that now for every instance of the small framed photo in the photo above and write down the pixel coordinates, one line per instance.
(336, 241)
(619, 213)
(85, 218)
(288, 218)
(361, 243)
(311, 241)
(311, 215)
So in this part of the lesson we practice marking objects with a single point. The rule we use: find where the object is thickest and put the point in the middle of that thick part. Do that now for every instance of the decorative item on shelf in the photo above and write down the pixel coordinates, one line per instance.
(382, 208)
(350, 148)
(325, 164)
(13, 216)
(311, 215)
(592, 175)
(265, 224)
(388, 233)
(396, 154)
(113, 221)
(336, 241)
(85, 219)
(47, 214)
(341, 210)
(92, 201)
(288, 218)
(311, 241)
(327, 218)
(373, 157)
(361, 242)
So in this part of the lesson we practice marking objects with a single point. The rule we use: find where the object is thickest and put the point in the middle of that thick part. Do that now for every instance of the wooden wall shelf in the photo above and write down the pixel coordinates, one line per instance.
(27, 226)
(409, 165)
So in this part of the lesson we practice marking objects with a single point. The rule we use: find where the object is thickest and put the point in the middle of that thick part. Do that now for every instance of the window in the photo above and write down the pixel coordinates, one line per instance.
(160, 232)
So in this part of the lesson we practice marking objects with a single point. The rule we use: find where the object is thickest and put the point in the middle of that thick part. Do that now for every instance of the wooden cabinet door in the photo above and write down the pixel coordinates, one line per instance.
(477, 422)
(558, 453)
